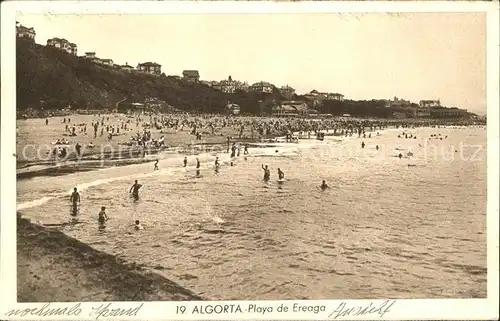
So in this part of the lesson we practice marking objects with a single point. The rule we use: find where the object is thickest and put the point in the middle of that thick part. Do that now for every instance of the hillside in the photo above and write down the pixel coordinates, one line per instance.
(49, 78)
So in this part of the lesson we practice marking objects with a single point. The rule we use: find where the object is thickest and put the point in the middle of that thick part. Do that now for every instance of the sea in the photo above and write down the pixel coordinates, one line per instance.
(409, 227)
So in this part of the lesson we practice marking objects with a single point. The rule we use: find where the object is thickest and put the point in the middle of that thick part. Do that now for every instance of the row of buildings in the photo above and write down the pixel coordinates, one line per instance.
(306, 107)
(402, 103)
(152, 68)
(425, 108)
(230, 86)
(227, 85)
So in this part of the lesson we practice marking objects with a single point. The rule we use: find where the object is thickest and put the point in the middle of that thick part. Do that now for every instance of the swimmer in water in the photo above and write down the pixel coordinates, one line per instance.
(185, 161)
(156, 165)
(323, 185)
(267, 173)
(400, 155)
(135, 190)
(281, 175)
(138, 226)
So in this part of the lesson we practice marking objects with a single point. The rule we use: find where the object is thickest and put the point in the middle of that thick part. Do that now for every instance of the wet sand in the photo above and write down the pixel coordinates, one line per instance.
(53, 267)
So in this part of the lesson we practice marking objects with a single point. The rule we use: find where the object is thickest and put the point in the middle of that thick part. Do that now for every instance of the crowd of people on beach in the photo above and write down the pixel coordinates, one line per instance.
(149, 131)
(265, 129)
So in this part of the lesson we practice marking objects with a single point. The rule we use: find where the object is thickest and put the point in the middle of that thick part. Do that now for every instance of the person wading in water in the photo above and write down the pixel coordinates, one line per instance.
(75, 200)
(267, 173)
(103, 217)
(281, 175)
(135, 190)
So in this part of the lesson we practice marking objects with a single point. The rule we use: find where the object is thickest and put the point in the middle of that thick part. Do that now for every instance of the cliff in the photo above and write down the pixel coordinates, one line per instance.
(48, 78)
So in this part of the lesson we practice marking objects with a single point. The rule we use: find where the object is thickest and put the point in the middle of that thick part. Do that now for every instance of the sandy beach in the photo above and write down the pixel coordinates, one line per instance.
(82, 273)
(33, 147)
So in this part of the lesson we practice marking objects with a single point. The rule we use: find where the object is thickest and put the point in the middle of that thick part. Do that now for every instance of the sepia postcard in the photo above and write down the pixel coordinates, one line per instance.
(249, 160)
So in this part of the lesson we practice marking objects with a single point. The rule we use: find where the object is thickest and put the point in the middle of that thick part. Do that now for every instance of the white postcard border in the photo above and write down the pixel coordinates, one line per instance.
(400, 310)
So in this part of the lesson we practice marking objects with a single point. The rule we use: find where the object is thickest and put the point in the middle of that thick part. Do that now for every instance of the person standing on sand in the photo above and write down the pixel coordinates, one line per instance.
(78, 149)
(185, 161)
(46, 121)
(156, 165)
(233, 150)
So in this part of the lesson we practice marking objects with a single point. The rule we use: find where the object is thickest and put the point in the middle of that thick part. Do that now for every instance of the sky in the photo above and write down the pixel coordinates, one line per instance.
(362, 56)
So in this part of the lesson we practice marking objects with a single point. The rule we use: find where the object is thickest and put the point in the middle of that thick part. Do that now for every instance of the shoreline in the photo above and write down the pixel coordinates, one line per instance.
(115, 153)
(129, 156)
(98, 276)
(74, 167)
(45, 169)
(96, 161)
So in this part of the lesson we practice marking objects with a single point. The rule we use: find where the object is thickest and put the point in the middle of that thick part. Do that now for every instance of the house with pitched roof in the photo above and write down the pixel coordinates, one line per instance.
(262, 87)
(287, 91)
(334, 96)
(63, 44)
(233, 109)
(107, 62)
(126, 67)
(430, 103)
(191, 75)
(398, 103)
(92, 57)
(25, 32)
(227, 86)
(150, 68)
(291, 108)
(89, 55)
